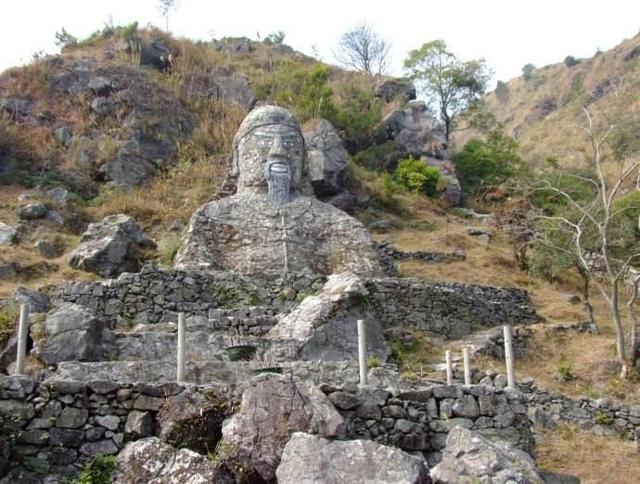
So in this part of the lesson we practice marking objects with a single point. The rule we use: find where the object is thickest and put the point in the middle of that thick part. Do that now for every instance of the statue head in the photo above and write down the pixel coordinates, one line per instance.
(269, 154)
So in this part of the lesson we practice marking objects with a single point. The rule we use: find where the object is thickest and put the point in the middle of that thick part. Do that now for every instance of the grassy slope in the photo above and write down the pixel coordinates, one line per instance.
(521, 107)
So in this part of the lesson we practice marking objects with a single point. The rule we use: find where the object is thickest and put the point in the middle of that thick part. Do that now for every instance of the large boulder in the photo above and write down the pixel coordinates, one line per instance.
(234, 88)
(451, 188)
(111, 247)
(273, 407)
(151, 460)
(313, 460)
(325, 325)
(71, 332)
(414, 129)
(32, 211)
(326, 158)
(470, 457)
(395, 88)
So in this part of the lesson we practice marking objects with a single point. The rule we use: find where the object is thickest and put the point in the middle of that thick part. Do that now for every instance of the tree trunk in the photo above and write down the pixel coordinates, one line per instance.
(614, 304)
(634, 334)
(586, 296)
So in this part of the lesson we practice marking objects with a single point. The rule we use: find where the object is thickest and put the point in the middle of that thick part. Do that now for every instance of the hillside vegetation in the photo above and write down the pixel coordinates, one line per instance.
(542, 109)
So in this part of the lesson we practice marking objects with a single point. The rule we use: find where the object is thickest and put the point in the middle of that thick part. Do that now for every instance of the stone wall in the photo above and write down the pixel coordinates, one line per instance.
(157, 295)
(420, 420)
(53, 428)
(448, 309)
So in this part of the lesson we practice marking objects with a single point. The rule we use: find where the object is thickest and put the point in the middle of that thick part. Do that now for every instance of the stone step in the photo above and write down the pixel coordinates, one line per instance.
(200, 346)
(223, 372)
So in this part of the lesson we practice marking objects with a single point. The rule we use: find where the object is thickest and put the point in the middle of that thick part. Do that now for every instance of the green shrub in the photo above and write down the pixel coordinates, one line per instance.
(302, 88)
(97, 470)
(357, 118)
(571, 61)
(527, 71)
(382, 157)
(416, 176)
(603, 418)
(373, 362)
(565, 369)
(485, 164)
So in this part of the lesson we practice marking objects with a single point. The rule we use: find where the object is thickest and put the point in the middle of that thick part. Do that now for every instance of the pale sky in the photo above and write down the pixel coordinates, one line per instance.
(507, 33)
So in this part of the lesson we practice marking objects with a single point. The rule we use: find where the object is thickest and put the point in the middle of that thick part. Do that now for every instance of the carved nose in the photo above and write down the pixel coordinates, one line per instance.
(277, 147)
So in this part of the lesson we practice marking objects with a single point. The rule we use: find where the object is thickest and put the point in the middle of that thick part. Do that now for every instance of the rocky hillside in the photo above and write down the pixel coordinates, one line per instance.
(542, 107)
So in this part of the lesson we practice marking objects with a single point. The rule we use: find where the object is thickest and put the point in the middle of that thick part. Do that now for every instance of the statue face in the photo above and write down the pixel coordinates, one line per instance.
(269, 158)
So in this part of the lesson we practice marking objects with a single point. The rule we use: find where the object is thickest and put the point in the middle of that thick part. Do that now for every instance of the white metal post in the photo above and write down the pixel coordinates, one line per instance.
(362, 351)
(467, 367)
(508, 357)
(23, 331)
(447, 357)
(182, 330)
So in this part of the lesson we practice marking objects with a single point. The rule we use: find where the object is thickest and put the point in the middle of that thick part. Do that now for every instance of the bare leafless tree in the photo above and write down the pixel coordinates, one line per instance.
(165, 7)
(363, 49)
(595, 218)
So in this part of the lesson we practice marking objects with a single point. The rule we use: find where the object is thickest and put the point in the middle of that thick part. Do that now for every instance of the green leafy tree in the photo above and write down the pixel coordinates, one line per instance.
(450, 83)
(598, 227)
(484, 164)
(527, 71)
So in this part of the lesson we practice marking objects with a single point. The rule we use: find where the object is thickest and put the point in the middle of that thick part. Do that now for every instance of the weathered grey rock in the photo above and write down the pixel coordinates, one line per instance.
(101, 447)
(272, 408)
(47, 249)
(32, 211)
(111, 247)
(101, 86)
(325, 325)
(8, 271)
(398, 88)
(326, 158)
(37, 301)
(138, 425)
(466, 407)
(151, 460)
(16, 409)
(157, 54)
(17, 108)
(414, 130)
(71, 332)
(8, 234)
(470, 457)
(480, 233)
(72, 418)
(313, 460)
(63, 134)
(55, 217)
(234, 88)
(109, 422)
(271, 224)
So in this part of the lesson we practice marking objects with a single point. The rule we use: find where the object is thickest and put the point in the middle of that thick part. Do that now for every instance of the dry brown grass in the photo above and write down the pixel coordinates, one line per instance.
(595, 460)
(591, 357)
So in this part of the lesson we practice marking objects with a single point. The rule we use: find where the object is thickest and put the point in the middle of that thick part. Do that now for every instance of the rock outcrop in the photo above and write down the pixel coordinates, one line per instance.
(151, 460)
(111, 247)
(8, 234)
(392, 89)
(326, 158)
(273, 407)
(470, 457)
(414, 129)
(324, 325)
(71, 332)
(313, 460)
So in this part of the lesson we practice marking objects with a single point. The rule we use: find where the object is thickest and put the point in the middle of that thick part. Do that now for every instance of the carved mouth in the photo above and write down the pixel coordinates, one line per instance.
(278, 168)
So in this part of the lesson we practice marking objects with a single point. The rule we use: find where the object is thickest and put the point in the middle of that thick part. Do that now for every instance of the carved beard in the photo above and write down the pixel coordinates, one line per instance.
(279, 183)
